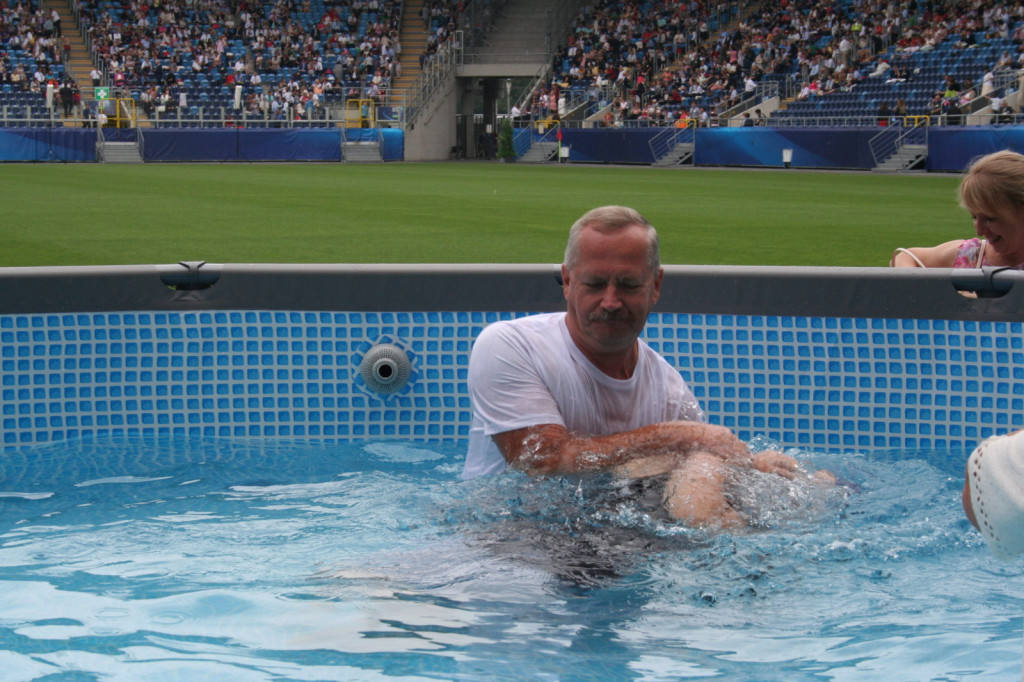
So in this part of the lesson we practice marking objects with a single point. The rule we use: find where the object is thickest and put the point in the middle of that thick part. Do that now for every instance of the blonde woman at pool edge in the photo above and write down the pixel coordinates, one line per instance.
(993, 193)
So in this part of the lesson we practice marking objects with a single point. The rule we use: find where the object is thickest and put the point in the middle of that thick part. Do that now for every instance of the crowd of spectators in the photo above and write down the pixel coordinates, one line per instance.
(33, 55)
(33, 49)
(441, 21)
(654, 62)
(697, 60)
(292, 54)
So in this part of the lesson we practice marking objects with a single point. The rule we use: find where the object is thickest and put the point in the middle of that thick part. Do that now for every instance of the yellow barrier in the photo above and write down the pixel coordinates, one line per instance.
(360, 113)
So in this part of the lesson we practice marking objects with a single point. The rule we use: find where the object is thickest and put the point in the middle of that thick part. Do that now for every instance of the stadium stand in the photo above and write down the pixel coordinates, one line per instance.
(833, 63)
(183, 59)
(624, 62)
(30, 59)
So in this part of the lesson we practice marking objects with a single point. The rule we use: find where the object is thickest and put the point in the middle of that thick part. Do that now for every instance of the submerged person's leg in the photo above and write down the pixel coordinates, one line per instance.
(696, 485)
(695, 493)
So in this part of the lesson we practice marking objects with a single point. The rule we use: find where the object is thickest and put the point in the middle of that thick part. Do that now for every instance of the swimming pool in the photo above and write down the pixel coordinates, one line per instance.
(255, 559)
(199, 480)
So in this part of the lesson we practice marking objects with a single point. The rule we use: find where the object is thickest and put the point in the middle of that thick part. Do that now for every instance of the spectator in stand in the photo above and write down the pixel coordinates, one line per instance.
(67, 100)
(1001, 111)
(883, 114)
(900, 110)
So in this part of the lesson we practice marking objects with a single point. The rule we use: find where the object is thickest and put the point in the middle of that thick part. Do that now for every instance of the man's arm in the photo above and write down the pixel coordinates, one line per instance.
(552, 449)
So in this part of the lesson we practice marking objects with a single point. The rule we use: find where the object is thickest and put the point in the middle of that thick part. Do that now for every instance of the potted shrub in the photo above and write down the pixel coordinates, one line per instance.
(506, 144)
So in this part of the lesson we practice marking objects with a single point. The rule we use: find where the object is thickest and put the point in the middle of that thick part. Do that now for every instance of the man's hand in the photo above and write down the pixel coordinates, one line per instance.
(774, 462)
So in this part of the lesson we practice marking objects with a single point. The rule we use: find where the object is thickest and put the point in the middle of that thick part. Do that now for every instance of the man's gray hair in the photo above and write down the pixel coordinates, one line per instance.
(607, 219)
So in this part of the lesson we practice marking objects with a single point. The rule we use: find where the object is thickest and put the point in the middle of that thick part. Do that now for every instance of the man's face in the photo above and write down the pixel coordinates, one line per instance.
(610, 291)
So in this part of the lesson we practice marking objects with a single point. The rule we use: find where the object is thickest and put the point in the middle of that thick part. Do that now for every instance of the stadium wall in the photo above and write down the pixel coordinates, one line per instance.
(47, 144)
(950, 149)
(197, 144)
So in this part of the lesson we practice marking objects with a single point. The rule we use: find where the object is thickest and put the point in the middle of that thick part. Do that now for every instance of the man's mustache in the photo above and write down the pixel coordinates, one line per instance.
(611, 317)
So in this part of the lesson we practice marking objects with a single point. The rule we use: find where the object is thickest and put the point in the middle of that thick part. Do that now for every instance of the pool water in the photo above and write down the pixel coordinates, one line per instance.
(271, 560)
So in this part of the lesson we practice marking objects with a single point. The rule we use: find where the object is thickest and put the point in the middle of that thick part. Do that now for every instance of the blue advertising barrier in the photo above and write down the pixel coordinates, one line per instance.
(47, 144)
(263, 144)
(59, 144)
(811, 147)
(608, 145)
(952, 149)
(949, 148)
(193, 144)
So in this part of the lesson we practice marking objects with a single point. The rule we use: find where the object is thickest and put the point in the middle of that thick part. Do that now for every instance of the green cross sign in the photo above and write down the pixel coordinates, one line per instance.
(102, 93)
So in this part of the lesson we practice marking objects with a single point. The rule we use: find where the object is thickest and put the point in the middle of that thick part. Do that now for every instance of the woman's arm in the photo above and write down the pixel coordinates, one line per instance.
(941, 256)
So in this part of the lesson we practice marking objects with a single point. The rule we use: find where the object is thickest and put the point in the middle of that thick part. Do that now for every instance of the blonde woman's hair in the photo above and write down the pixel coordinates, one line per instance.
(994, 185)
(607, 219)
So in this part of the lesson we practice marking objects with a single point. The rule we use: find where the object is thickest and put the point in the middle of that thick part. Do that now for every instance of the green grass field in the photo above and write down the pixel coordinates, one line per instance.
(86, 214)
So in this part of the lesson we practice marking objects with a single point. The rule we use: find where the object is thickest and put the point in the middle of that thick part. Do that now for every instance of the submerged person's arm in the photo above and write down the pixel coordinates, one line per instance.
(552, 449)
(965, 498)
(766, 461)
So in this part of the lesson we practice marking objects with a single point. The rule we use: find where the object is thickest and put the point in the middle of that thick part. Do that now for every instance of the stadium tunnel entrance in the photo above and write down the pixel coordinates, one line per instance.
(483, 102)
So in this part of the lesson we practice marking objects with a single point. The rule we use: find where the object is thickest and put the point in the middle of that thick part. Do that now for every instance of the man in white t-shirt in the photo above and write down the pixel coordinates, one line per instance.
(580, 392)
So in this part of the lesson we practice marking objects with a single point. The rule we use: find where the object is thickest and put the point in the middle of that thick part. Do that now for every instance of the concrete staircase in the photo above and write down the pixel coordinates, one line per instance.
(680, 155)
(906, 158)
(540, 152)
(520, 32)
(119, 152)
(413, 39)
(361, 152)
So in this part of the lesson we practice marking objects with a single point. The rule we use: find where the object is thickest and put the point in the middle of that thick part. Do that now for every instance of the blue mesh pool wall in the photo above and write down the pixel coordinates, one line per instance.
(829, 358)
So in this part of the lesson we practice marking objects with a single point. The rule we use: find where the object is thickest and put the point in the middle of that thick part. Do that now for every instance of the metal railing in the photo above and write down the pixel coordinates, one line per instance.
(436, 73)
(667, 140)
(823, 121)
(211, 117)
(208, 117)
(215, 117)
(765, 91)
(377, 133)
(889, 141)
(526, 96)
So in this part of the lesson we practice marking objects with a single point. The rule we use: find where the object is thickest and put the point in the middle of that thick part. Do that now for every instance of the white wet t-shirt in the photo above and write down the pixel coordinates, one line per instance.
(995, 478)
(528, 371)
